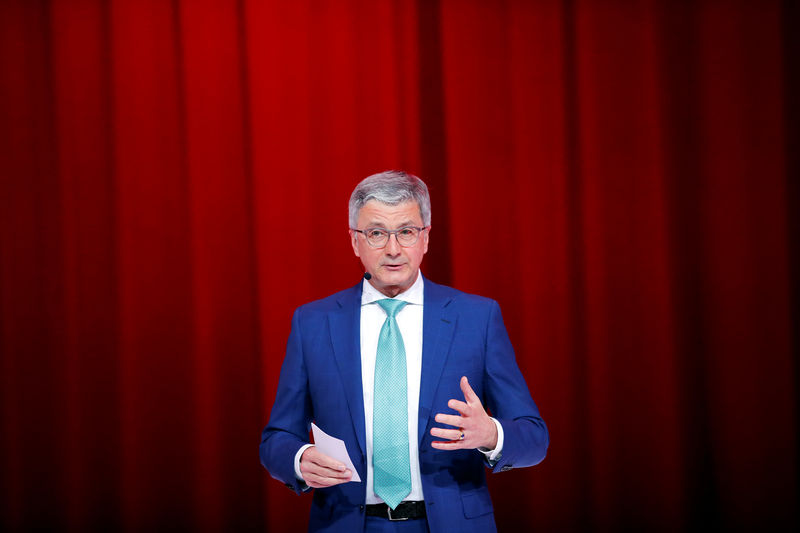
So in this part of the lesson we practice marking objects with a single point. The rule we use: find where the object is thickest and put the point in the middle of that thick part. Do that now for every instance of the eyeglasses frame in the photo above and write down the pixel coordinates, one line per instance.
(391, 232)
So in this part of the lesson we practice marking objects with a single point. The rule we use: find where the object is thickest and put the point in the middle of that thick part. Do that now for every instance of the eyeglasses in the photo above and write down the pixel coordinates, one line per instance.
(379, 237)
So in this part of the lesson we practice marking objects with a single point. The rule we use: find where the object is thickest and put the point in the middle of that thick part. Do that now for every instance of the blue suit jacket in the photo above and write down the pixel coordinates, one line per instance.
(463, 335)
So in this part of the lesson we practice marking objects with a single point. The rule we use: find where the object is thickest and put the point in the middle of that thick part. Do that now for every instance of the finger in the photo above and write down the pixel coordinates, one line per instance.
(450, 445)
(330, 477)
(319, 458)
(334, 474)
(330, 463)
(469, 394)
(322, 472)
(449, 434)
(450, 420)
(317, 481)
(459, 406)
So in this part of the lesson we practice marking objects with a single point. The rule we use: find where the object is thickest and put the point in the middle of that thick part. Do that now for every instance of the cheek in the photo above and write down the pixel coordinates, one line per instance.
(416, 256)
(368, 257)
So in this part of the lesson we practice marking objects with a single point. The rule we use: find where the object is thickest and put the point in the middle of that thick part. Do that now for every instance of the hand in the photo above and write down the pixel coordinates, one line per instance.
(478, 429)
(320, 470)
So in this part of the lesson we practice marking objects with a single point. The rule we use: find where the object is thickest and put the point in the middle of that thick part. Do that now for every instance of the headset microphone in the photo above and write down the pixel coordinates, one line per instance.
(367, 276)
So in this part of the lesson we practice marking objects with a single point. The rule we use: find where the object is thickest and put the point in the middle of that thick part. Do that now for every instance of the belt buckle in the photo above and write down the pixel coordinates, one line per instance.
(391, 518)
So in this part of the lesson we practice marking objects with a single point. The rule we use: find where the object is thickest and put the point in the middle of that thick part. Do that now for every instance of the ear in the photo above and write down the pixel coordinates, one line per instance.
(425, 235)
(354, 242)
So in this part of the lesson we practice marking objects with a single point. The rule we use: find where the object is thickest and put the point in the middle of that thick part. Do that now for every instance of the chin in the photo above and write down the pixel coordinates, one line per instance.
(396, 279)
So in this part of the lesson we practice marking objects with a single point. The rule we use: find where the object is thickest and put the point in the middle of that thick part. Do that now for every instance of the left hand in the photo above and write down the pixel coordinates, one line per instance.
(478, 429)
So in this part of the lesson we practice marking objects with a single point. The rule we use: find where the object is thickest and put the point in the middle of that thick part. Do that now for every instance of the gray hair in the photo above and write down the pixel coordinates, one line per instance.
(391, 187)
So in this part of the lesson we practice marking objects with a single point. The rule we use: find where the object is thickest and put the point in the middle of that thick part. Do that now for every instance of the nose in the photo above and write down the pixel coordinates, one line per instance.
(392, 246)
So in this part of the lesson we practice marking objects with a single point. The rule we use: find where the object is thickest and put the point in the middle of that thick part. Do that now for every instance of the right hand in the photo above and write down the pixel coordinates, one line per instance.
(320, 470)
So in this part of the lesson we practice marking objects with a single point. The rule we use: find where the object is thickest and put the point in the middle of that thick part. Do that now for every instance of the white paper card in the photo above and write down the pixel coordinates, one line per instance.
(335, 448)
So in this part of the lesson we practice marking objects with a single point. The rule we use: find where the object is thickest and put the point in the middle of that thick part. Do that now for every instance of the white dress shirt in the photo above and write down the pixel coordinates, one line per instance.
(409, 321)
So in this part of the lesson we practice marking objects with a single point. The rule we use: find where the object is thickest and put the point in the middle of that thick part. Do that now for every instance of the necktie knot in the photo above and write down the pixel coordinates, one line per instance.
(391, 306)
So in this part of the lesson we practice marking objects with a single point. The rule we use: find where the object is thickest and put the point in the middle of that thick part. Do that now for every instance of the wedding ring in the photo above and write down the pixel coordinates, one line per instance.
(462, 436)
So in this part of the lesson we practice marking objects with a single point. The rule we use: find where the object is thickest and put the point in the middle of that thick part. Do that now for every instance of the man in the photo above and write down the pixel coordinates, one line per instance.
(399, 368)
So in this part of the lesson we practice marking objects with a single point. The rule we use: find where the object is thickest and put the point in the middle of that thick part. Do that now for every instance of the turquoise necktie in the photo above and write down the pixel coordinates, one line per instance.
(390, 462)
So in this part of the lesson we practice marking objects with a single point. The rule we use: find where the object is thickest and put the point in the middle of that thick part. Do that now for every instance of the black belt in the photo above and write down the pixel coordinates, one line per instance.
(404, 511)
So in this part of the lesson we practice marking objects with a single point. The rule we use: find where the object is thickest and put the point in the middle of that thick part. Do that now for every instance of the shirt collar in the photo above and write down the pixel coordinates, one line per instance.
(413, 295)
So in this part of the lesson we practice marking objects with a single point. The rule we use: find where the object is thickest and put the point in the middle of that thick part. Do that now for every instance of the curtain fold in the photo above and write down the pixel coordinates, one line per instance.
(618, 175)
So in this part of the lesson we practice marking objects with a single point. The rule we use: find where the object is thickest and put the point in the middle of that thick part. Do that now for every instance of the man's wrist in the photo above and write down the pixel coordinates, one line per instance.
(297, 473)
(492, 455)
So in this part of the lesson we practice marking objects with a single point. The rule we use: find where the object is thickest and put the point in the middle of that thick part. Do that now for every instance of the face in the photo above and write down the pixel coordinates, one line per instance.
(394, 268)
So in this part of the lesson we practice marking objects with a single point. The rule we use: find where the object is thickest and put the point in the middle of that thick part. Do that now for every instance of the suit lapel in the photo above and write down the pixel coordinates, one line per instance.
(438, 326)
(345, 324)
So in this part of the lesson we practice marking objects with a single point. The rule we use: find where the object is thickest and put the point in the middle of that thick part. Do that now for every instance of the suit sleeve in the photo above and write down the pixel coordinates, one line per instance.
(290, 419)
(508, 398)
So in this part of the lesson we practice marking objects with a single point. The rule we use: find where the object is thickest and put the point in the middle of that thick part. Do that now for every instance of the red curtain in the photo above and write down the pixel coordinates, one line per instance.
(174, 180)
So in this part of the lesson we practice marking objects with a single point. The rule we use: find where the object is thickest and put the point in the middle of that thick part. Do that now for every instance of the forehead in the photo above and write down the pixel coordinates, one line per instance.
(378, 214)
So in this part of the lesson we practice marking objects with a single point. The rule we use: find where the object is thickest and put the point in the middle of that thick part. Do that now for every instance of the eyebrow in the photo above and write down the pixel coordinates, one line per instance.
(381, 225)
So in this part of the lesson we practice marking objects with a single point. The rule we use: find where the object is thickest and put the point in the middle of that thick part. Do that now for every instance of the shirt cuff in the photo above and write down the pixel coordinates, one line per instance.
(299, 454)
(493, 455)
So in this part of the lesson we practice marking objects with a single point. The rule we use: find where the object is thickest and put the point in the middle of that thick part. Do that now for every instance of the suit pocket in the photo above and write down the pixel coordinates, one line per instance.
(321, 510)
(476, 503)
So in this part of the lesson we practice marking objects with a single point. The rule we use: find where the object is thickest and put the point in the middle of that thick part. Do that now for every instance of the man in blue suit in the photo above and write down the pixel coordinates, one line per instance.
(400, 369)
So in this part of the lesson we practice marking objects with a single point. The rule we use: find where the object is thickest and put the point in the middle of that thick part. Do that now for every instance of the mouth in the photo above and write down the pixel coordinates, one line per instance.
(394, 267)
